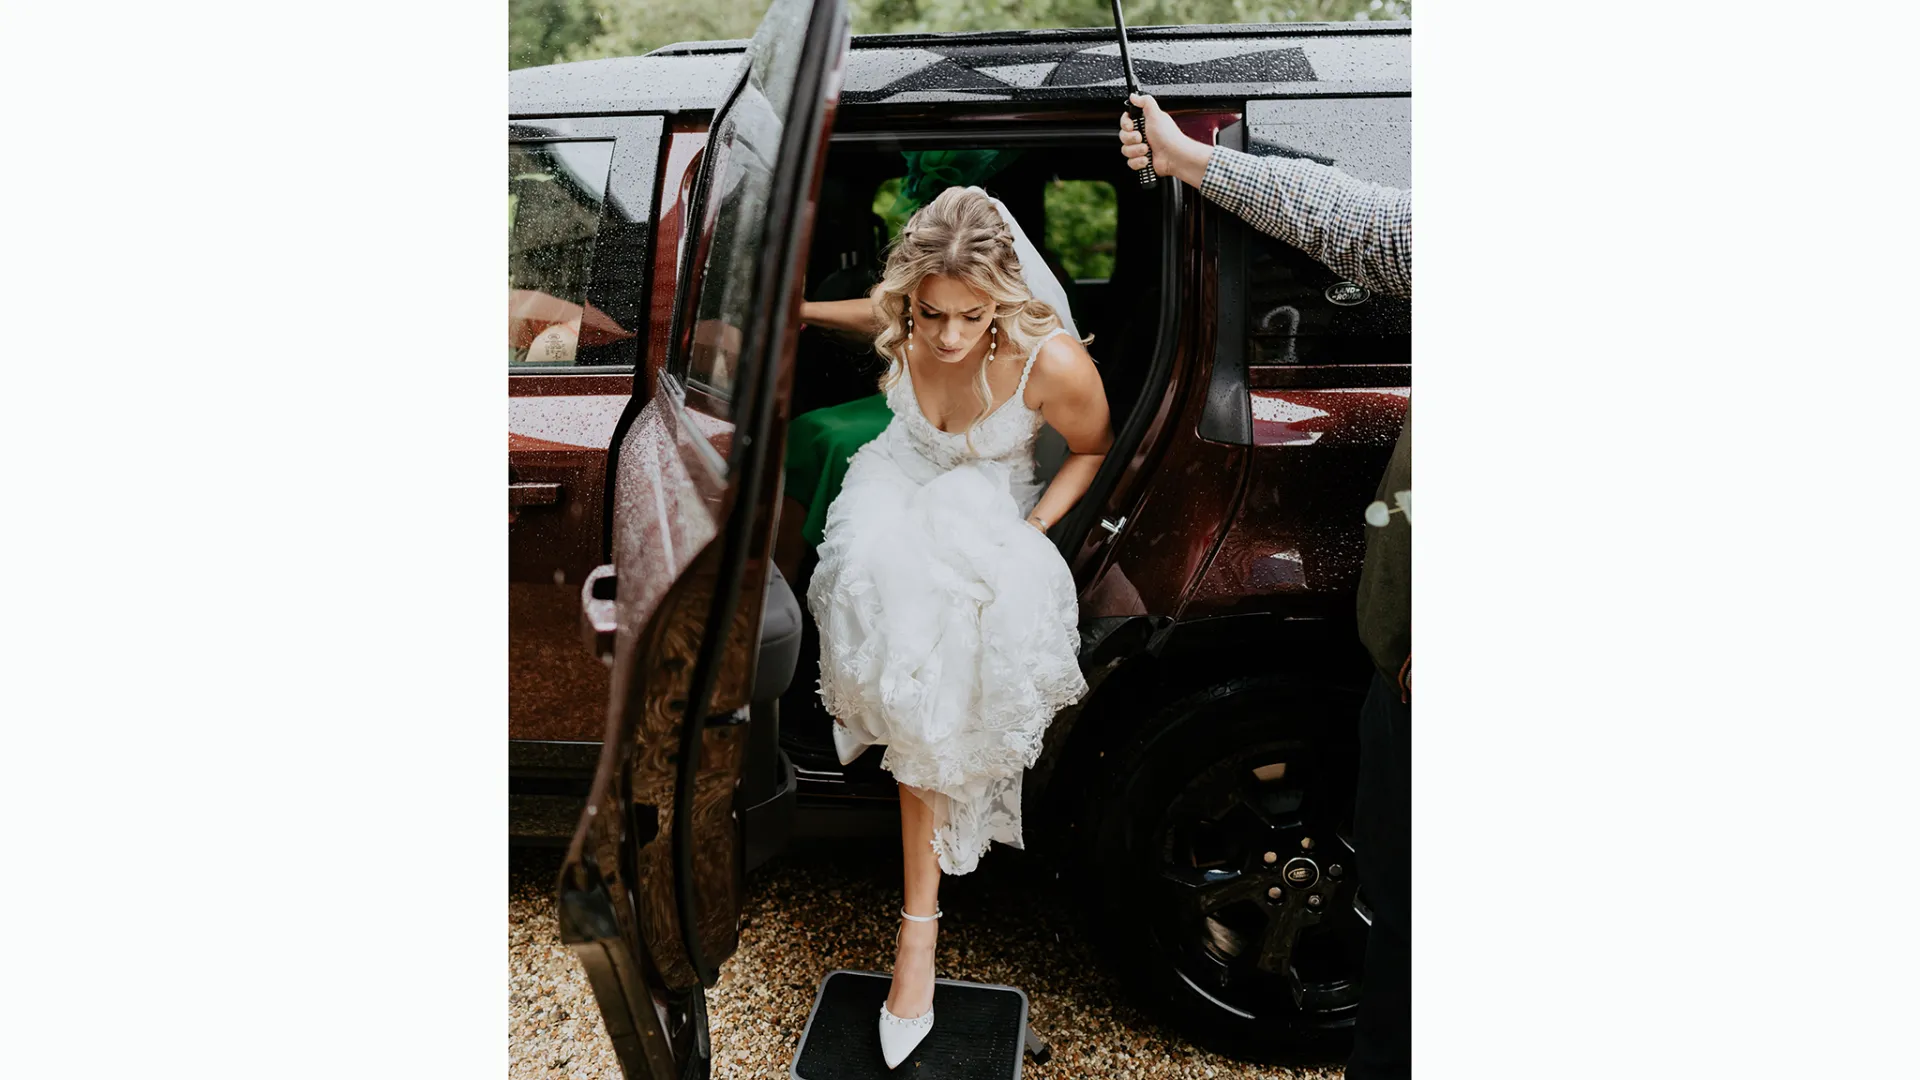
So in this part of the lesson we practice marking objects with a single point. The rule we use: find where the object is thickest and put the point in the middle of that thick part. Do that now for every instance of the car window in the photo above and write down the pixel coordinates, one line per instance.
(1298, 310)
(556, 194)
(1082, 222)
(744, 147)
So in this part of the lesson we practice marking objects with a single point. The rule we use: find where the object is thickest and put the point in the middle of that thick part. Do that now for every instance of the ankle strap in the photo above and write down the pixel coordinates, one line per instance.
(922, 918)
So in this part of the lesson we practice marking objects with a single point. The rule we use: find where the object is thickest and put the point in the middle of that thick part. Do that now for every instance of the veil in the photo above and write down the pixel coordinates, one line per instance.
(1040, 280)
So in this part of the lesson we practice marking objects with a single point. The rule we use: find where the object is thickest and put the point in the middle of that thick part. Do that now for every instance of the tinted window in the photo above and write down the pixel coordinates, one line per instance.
(556, 194)
(1299, 311)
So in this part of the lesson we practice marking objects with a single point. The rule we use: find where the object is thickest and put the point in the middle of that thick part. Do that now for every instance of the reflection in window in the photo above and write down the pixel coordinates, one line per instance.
(744, 150)
(1301, 312)
(1083, 219)
(745, 143)
(555, 192)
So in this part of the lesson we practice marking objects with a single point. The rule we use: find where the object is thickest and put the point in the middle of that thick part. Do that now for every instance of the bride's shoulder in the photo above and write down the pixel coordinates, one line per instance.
(1062, 368)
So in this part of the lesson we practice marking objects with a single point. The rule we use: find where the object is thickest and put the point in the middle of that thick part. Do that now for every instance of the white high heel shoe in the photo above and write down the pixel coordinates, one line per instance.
(899, 1035)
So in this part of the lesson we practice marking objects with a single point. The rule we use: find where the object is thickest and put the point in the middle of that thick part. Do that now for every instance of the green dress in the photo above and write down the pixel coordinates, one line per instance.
(819, 445)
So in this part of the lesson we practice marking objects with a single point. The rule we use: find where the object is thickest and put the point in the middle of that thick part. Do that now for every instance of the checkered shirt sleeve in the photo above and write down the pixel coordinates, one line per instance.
(1359, 229)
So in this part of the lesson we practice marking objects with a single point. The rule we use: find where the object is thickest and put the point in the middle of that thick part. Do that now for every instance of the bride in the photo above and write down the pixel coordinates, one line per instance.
(948, 621)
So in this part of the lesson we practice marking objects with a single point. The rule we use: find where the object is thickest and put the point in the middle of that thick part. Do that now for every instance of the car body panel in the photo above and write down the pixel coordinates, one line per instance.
(1174, 519)
(1328, 368)
(558, 428)
(560, 419)
(651, 886)
(1295, 542)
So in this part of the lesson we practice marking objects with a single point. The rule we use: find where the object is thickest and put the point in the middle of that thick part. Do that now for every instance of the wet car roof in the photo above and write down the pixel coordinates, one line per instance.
(1171, 62)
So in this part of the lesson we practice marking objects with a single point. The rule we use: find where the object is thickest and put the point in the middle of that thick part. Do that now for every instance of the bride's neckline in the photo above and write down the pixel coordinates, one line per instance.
(1019, 391)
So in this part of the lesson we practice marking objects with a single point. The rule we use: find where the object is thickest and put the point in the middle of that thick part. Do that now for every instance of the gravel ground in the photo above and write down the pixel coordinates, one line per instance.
(811, 912)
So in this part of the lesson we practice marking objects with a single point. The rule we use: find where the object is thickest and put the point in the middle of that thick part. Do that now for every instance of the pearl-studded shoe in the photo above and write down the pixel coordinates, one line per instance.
(899, 1035)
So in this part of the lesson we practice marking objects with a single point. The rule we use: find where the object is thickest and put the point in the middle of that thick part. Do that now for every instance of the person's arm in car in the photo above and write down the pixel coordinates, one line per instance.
(861, 316)
(1359, 229)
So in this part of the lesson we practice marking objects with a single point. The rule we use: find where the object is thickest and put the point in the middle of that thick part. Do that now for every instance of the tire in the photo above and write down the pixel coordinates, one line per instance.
(1229, 948)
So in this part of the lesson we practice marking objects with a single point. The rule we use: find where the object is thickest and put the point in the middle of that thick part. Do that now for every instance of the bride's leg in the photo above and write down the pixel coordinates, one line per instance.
(912, 993)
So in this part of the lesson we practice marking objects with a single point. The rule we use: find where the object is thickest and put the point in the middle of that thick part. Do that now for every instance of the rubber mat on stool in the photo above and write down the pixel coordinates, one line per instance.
(979, 1032)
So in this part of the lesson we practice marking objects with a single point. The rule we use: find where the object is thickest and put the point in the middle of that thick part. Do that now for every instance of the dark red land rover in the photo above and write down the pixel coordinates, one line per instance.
(667, 214)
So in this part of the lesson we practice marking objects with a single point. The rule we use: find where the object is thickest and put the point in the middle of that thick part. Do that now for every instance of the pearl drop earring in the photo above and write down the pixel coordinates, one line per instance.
(909, 333)
(993, 340)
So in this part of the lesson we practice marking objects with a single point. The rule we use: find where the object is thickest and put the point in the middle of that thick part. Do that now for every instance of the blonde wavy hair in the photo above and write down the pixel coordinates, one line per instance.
(960, 234)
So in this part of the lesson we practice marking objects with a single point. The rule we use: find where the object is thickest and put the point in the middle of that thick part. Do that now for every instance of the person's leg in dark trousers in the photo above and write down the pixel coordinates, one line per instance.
(1382, 822)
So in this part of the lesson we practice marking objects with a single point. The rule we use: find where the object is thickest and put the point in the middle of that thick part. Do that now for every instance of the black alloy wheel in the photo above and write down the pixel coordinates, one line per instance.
(1226, 884)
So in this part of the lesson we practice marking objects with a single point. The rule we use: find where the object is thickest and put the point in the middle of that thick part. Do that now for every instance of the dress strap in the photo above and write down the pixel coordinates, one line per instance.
(1027, 371)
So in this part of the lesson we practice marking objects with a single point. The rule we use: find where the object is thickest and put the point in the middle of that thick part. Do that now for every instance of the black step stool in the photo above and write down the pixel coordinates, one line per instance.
(979, 1032)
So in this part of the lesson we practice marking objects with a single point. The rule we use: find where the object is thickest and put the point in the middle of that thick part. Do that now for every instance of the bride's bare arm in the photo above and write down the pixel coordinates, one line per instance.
(855, 316)
(1074, 401)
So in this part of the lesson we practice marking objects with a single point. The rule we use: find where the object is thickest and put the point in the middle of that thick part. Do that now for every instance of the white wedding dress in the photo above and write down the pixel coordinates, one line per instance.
(948, 625)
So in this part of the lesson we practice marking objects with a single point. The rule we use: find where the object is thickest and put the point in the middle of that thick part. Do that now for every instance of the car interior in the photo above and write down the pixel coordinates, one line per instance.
(1101, 235)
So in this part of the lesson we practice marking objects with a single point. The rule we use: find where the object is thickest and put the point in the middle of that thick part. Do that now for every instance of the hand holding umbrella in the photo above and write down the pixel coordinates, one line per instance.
(1158, 141)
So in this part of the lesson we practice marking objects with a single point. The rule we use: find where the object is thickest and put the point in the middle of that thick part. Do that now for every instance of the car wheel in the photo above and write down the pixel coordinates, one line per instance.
(1225, 887)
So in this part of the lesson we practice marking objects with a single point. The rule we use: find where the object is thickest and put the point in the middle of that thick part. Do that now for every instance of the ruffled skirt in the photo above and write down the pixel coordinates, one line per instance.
(948, 633)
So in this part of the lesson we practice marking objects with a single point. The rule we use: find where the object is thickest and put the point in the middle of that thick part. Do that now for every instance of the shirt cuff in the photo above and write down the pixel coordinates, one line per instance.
(1231, 179)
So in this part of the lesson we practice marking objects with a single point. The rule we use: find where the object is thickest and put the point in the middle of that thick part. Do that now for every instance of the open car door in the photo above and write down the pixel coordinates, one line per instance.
(649, 896)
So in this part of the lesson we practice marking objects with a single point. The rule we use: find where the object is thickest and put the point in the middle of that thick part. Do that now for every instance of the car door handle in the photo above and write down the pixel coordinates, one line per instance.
(519, 495)
(599, 616)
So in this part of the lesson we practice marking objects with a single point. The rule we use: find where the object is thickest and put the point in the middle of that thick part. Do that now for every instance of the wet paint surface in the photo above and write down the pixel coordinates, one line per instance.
(583, 421)
(1298, 539)
(1342, 417)
(1039, 65)
(663, 512)
(558, 430)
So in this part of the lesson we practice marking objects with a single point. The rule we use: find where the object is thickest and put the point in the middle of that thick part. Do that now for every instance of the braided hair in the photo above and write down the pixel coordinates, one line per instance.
(959, 234)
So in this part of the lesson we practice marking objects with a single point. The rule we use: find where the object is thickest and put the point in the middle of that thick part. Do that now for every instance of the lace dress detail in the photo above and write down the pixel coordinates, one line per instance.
(949, 627)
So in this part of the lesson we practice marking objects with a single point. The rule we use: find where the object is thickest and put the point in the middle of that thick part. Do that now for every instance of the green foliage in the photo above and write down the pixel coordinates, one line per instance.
(557, 31)
(891, 208)
(545, 31)
(1083, 217)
